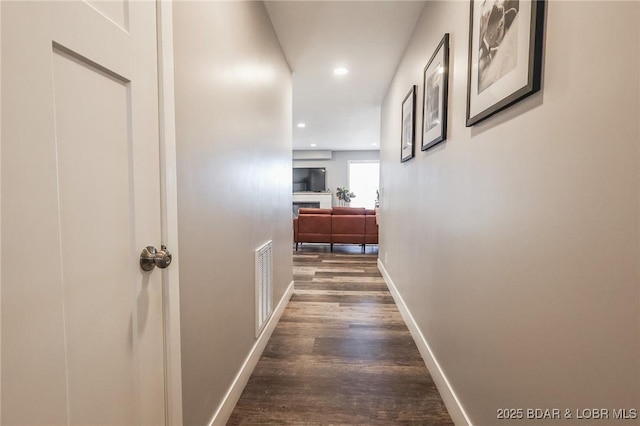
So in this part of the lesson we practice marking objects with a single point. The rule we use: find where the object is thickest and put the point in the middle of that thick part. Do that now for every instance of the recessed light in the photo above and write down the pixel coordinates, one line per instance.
(302, 125)
(313, 144)
(374, 144)
(340, 71)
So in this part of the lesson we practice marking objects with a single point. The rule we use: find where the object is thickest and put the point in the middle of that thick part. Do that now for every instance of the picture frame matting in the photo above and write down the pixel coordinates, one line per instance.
(505, 55)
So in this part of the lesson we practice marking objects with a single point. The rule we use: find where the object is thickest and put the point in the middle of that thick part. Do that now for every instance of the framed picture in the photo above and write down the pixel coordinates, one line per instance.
(434, 100)
(408, 125)
(505, 54)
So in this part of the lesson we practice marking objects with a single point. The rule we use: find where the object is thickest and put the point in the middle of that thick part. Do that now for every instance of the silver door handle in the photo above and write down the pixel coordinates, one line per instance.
(151, 257)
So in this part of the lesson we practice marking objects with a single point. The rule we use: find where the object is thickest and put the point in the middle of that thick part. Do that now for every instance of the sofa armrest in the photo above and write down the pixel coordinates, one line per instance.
(371, 230)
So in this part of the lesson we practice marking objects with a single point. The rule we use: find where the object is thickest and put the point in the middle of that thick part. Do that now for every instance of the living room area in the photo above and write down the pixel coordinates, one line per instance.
(335, 200)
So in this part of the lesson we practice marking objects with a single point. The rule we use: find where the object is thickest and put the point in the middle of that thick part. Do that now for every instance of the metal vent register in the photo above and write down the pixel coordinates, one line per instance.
(264, 286)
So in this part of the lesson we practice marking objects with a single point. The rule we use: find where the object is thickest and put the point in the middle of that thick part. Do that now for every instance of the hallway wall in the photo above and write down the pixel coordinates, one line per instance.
(515, 243)
(233, 118)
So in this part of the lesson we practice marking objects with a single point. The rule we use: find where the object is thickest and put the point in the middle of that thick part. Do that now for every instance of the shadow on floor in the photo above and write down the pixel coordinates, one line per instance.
(337, 248)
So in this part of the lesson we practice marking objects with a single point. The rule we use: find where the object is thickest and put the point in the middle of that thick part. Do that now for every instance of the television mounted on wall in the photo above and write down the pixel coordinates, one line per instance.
(309, 179)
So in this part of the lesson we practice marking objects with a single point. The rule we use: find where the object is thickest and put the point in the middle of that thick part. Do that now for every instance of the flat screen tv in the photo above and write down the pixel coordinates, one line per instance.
(309, 179)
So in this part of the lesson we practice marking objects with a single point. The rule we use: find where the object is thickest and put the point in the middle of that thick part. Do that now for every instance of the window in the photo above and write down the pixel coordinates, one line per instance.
(364, 181)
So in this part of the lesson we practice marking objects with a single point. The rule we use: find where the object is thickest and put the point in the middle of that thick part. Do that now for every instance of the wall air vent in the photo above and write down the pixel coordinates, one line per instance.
(264, 285)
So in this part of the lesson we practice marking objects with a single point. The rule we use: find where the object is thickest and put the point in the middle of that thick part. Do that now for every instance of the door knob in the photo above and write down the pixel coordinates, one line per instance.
(151, 257)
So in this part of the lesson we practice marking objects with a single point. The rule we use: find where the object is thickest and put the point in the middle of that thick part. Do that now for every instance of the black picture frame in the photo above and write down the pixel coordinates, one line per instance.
(435, 90)
(505, 55)
(408, 126)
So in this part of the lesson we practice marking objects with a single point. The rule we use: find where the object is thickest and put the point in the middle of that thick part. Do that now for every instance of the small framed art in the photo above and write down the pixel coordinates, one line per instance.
(408, 125)
(434, 99)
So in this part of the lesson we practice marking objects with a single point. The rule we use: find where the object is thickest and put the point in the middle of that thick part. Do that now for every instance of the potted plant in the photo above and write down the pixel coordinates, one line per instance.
(344, 195)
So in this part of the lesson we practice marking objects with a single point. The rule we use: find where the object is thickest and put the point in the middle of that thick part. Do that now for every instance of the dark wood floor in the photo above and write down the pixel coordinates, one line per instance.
(341, 353)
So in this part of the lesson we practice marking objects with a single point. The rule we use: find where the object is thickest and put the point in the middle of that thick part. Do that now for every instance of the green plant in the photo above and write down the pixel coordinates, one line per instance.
(344, 194)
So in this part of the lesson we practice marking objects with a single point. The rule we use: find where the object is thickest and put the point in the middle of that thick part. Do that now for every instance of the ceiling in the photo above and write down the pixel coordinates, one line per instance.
(366, 37)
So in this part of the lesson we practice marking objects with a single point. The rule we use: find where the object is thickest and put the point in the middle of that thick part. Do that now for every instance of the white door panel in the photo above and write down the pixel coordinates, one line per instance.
(82, 329)
(94, 176)
(115, 10)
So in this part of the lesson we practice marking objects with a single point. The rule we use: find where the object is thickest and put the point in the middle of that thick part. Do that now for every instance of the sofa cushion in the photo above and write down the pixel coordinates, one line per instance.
(314, 224)
(347, 224)
(347, 229)
(313, 210)
(314, 228)
(313, 238)
(348, 211)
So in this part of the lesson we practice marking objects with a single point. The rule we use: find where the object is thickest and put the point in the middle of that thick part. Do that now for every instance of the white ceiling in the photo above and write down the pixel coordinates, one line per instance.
(368, 38)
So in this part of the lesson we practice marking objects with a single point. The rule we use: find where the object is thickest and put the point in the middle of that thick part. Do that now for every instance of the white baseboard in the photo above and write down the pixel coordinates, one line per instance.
(240, 381)
(456, 411)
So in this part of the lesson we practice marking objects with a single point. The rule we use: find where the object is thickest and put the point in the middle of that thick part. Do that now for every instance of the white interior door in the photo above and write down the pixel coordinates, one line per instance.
(82, 329)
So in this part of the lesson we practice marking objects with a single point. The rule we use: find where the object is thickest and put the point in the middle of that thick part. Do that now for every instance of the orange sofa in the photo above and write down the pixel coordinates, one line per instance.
(340, 225)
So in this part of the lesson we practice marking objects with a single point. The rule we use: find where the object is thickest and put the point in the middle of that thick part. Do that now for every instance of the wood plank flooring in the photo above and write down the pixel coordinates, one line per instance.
(341, 353)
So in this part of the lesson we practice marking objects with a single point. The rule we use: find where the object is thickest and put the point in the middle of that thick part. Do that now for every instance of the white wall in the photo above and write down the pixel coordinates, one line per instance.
(233, 118)
(516, 243)
(338, 167)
